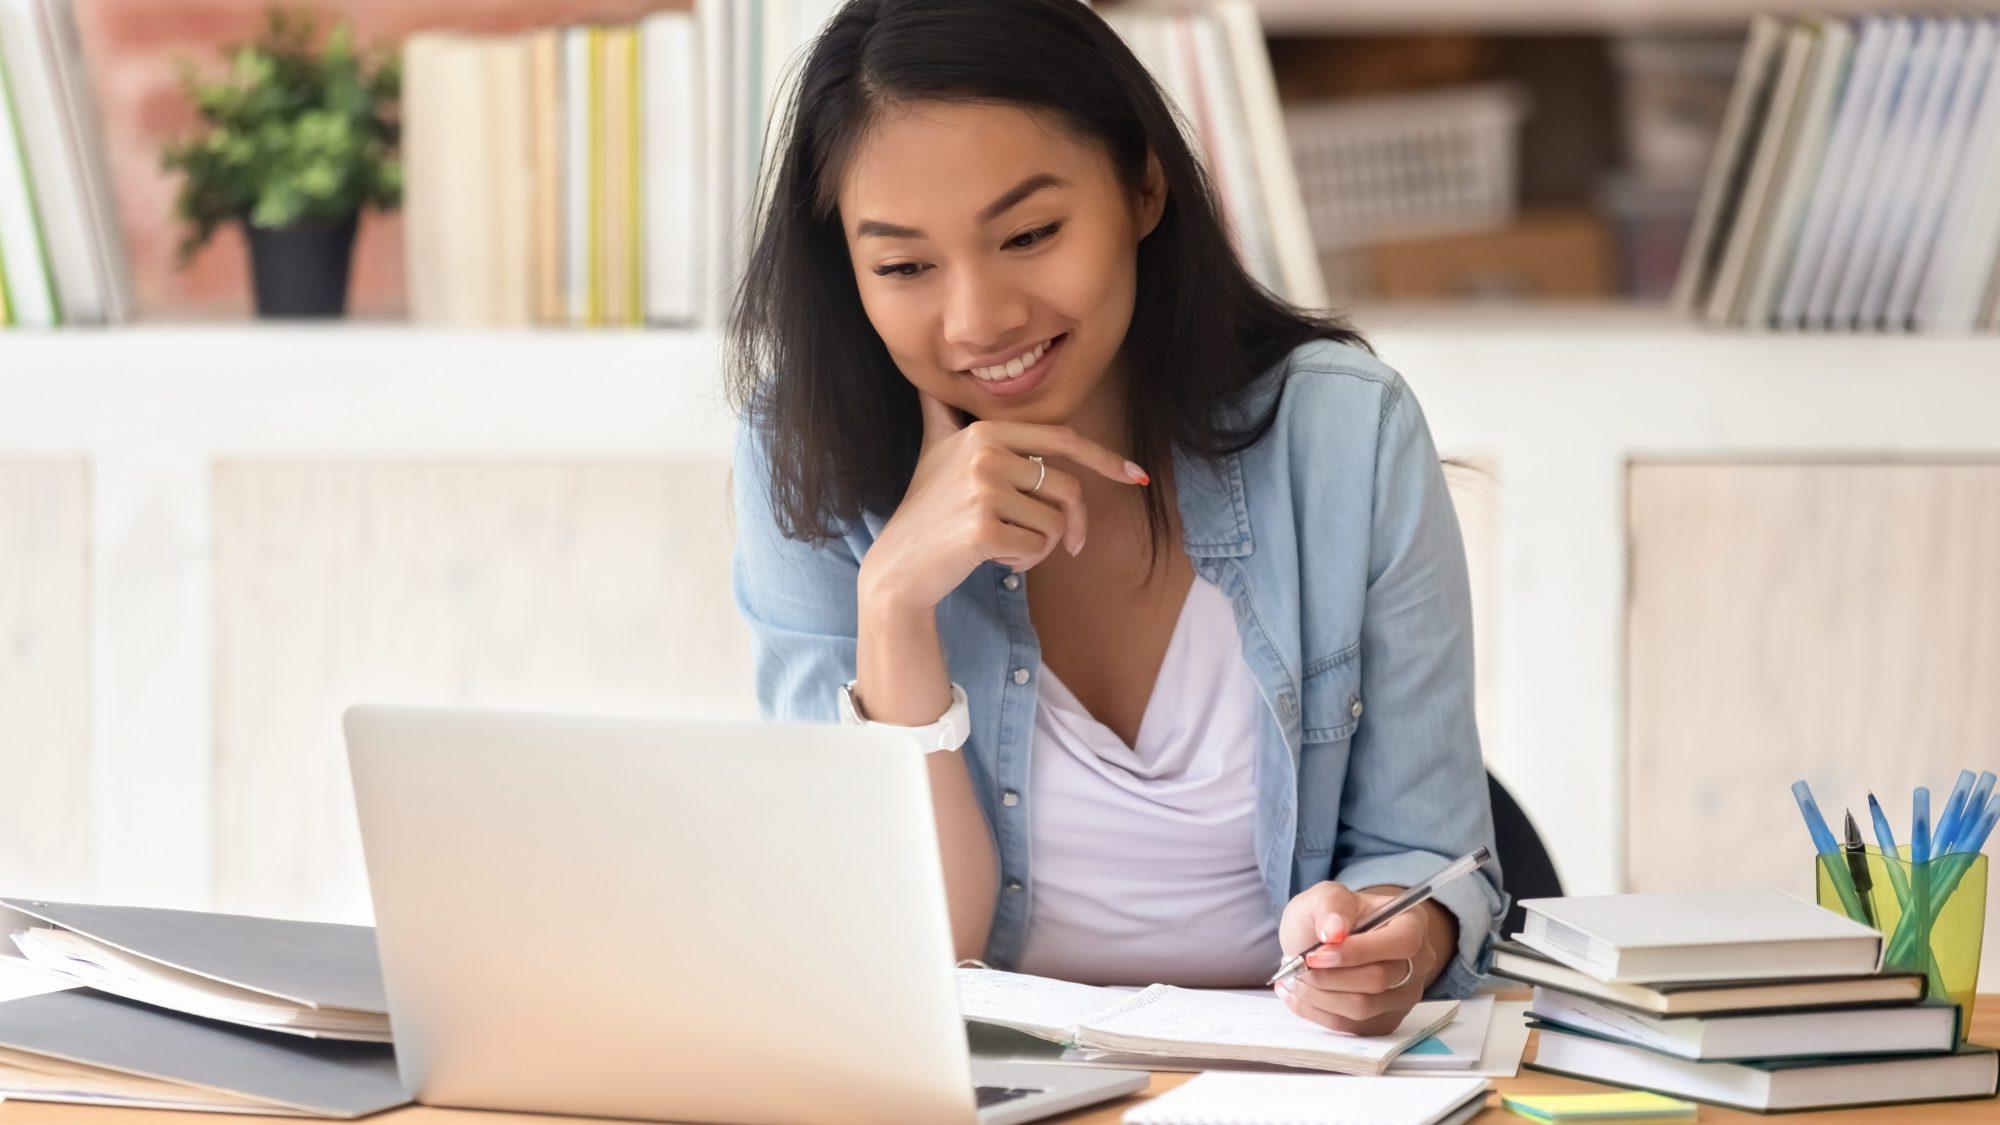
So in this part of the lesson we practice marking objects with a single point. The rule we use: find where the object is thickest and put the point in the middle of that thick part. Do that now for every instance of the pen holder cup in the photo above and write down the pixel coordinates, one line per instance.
(1932, 915)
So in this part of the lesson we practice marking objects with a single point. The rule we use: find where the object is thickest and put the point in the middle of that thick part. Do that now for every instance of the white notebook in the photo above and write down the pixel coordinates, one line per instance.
(1703, 935)
(1184, 1023)
(1312, 1099)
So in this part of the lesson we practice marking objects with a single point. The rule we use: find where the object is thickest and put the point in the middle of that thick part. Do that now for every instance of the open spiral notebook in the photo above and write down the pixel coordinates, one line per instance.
(1184, 1023)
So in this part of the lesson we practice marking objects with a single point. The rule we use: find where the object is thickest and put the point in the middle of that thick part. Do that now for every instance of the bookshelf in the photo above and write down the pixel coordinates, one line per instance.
(1288, 17)
(1557, 401)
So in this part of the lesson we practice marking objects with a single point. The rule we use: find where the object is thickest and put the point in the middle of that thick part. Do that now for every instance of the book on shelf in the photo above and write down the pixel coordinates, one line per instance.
(1519, 962)
(62, 258)
(610, 174)
(1850, 184)
(1763, 1085)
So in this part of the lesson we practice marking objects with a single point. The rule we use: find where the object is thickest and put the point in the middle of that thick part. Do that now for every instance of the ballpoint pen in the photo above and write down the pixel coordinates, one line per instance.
(1968, 817)
(1822, 839)
(1823, 843)
(1464, 865)
(1920, 826)
(1857, 868)
(1891, 858)
(1954, 807)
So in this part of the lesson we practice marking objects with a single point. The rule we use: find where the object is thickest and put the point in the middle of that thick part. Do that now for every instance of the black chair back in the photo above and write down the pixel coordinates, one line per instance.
(1526, 871)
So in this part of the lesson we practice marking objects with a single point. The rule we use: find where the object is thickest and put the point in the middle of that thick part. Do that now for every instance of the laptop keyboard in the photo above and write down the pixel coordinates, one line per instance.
(988, 1096)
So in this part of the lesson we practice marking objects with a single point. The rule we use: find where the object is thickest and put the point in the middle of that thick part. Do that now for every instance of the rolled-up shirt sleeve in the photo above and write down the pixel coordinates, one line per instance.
(1415, 796)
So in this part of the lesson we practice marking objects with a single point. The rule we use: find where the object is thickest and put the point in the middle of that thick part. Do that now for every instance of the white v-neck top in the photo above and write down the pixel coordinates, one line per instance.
(1143, 855)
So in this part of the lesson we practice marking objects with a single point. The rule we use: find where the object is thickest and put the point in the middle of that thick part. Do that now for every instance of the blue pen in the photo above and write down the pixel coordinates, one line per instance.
(1892, 859)
(1975, 805)
(1823, 843)
(1954, 806)
(1976, 839)
(1920, 825)
(1822, 836)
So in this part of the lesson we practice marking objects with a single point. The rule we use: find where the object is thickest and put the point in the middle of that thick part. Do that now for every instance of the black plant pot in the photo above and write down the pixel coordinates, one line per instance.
(302, 269)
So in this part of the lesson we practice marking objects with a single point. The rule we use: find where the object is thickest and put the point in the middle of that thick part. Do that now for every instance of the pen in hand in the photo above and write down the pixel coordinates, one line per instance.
(1465, 865)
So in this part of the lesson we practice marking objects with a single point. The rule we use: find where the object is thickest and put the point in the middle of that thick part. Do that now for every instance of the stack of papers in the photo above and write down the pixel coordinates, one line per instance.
(183, 1009)
(1162, 1020)
(304, 978)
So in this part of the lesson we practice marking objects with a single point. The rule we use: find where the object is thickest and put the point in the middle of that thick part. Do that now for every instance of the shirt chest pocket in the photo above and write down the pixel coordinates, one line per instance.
(1330, 708)
(1330, 703)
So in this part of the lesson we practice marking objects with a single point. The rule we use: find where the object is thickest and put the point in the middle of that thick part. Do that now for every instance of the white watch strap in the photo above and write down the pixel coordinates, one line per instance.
(948, 733)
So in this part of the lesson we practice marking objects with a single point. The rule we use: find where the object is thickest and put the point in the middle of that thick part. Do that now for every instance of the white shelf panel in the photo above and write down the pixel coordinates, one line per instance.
(1559, 400)
(1487, 376)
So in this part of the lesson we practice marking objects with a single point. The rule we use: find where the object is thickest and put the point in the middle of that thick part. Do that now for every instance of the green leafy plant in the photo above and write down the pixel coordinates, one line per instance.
(293, 132)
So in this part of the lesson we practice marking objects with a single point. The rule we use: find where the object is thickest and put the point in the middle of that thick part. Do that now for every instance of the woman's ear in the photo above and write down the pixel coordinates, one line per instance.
(1152, 195)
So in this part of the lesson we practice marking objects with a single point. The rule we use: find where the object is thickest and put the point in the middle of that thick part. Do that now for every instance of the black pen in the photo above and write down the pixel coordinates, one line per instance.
(1857, 866)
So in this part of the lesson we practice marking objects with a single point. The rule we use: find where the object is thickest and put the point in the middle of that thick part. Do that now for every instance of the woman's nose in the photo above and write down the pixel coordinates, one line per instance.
(981, 312)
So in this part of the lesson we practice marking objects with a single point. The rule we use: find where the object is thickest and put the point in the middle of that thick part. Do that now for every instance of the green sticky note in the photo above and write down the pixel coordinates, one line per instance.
(1596, 1107)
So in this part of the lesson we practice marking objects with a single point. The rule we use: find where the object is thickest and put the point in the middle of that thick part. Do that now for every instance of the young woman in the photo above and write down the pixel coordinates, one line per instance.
(1166, 565)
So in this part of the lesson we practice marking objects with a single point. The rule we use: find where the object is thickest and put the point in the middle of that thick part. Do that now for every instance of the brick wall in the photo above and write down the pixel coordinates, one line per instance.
(132, 48)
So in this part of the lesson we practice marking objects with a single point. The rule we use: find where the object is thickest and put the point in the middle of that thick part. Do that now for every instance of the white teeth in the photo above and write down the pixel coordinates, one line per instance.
(1013, 367)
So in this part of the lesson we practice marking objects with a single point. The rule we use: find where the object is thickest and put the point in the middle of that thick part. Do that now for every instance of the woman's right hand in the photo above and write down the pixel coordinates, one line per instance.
(969, 500)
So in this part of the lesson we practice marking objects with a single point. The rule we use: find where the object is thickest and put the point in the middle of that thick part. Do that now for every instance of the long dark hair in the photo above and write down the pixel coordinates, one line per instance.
(840, 422)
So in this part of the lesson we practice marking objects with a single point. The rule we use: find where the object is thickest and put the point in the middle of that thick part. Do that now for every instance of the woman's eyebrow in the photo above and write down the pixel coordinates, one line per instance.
(1013, 195)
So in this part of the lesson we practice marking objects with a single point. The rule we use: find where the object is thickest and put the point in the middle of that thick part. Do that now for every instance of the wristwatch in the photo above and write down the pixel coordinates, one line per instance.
(948, 733)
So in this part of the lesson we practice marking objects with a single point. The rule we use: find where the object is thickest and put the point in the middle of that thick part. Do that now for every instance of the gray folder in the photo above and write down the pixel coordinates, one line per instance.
(317, 964)
(325, 1078)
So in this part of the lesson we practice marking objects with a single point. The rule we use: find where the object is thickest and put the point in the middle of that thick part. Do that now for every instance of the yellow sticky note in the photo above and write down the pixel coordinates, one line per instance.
(1585, 1107)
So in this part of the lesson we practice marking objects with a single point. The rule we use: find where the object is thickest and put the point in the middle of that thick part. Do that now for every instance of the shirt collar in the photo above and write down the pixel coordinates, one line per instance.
(1215, 517)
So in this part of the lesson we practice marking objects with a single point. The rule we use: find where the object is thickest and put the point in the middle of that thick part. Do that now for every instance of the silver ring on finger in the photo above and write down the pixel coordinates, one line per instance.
(1041, 475)
(1409, 970)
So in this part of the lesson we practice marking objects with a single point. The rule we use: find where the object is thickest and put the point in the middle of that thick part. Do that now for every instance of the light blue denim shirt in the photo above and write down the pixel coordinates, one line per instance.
(1336, 542)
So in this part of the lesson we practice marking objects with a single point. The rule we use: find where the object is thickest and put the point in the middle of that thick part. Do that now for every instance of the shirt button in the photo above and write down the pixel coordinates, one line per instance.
(1013, 884)
(1011, 582)
(1010, 798)
(1020, 675)
(1354, 708)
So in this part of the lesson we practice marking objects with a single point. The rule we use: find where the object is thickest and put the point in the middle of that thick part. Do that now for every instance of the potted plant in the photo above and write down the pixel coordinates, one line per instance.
(298, 138)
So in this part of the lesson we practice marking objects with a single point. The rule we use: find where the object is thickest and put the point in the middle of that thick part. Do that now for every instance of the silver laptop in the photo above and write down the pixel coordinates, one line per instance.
(665, 919)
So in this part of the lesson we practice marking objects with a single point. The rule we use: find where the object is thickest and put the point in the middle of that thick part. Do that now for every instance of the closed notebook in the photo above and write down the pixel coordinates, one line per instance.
(1702, 935)
(1913, 1029)
(1184, 1023)
(1519, 962)
(1772, 1084)
(309, 979)
(1628, 1106)
(79, 1045)
(1312, 1099)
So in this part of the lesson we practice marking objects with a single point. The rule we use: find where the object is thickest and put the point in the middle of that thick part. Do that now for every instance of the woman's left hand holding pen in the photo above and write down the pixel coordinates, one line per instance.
(1366, 983)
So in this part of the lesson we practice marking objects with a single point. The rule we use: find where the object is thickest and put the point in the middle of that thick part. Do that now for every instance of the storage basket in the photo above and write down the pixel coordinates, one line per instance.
(1407, 165)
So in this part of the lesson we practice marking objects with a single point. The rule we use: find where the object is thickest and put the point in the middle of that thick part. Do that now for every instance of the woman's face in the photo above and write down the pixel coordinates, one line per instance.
(996, 256)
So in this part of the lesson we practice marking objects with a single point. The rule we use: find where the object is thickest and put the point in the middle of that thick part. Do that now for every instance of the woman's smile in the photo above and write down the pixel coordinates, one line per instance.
(1021, 374)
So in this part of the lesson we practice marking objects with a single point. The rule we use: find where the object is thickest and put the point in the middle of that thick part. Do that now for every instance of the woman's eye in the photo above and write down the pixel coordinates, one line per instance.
(1029, 238)
(899, 269)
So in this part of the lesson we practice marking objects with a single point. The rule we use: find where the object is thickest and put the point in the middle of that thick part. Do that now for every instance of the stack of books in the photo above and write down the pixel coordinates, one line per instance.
(607, 175)
(61, 258)
(1851, 185)
(1750, 999)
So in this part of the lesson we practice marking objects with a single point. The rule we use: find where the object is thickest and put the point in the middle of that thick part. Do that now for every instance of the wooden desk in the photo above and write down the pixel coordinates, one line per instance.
(1985, 1029)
